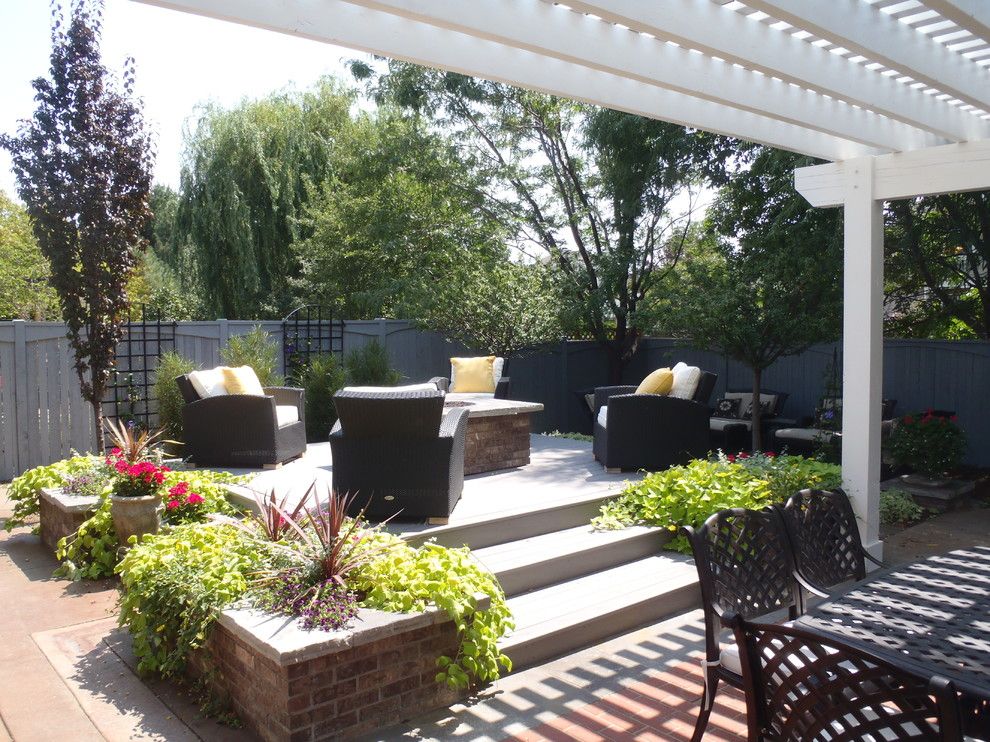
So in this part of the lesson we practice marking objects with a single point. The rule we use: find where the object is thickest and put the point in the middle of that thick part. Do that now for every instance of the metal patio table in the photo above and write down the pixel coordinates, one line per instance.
(930, 616)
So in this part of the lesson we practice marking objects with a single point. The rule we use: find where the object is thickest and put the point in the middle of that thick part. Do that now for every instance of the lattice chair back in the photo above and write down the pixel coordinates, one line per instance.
(801, 686)
(744, 566)
(824, 537)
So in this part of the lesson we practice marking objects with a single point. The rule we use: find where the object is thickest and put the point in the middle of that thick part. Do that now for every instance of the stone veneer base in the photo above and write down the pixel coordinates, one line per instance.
(291, 685)
(497, 442)
(61, 515)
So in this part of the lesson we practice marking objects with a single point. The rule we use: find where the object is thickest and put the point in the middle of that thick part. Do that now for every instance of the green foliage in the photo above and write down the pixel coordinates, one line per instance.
(26, 292)
(408, 579)
(370, 365)
(91, 552)
(898, 507)
(25, 489)
(170, 402)
(321, 378)
(571, 436)
(83, 168)
(928, 444)
(687, 495)
(174, 585)
(254, 349)
(242, 191)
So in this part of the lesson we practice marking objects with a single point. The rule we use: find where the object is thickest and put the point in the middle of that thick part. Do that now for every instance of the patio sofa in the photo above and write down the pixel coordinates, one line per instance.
(399, 452)
(502, 384)
(242, 430)
(813, 433)
(731, 423)
(652, 431)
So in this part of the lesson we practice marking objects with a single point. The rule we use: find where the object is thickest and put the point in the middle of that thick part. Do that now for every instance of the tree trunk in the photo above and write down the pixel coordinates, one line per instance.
(757, 414)
(98, 421)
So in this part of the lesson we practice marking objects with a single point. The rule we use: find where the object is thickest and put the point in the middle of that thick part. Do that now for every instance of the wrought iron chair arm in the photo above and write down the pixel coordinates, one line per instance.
(809, 587)
(879, 563)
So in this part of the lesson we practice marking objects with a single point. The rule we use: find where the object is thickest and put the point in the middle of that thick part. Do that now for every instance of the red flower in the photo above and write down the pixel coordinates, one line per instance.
(954, 418)
(731, 458)
(121, 466)
(770, 454)
(164, 469)
(115, 451)
(194, 499)
(908, 420)
(743, 455)
(159, 477)
(179, 490)
(172, 504)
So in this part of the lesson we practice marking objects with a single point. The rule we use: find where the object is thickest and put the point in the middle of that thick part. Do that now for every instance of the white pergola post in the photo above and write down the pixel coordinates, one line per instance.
(862, 347)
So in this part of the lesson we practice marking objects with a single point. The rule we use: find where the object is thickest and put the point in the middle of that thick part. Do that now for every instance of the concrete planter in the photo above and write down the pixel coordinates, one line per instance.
(62, 514)
(134, 516)
(289, 684)
(934, 494)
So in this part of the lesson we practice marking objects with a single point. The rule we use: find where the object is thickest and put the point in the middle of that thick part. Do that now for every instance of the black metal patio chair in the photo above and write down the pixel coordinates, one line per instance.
(801, 686)
(745, 566)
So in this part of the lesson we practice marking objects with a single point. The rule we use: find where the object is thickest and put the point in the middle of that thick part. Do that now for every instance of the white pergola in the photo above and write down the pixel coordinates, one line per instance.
(894, 93)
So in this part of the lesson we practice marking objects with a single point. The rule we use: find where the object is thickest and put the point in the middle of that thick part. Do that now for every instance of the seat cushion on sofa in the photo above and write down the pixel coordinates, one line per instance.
(728, 657)
(804, 434)
(286, 414)
(208, 382)
(686, 380)
(425, 386)
(603, 416)
(720, 423)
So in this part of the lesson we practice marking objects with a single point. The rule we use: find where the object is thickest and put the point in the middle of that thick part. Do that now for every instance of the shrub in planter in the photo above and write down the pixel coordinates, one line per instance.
(321, 379)
(255, 349)
(687, 495)
(928, 444)
(170, 402)
(25, 489)
(369, 365)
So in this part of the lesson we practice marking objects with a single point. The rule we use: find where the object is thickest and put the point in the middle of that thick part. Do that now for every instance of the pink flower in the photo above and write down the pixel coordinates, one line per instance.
(731, 458)
(121, 466)
(172, 504)
(194, 499)
(159, 477)
(770, 454)
(743, 455)
(954, 418)
(115, 451)
(179, 490)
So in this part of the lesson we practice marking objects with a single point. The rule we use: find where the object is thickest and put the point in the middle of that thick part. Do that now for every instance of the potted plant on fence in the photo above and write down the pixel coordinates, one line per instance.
(136, 498)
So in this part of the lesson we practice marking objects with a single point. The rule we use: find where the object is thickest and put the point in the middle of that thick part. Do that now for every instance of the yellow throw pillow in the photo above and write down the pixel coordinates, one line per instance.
(660, 381)
(241, 380)
(473, 374)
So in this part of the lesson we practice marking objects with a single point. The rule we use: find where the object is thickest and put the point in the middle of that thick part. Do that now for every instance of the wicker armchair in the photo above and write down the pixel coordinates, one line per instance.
(651, 431)
(801, 685)
(745, 566)
(399, 452)
(243, 430)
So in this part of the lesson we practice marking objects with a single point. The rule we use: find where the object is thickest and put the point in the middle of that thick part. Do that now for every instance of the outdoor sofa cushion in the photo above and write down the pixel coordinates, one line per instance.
(473, 374)
(686, 380)
(241, 380)
(660, 381)
(286, 414)
(208, 382)
(603, 416)
(720, 423)
(498, 369)
(425, 386)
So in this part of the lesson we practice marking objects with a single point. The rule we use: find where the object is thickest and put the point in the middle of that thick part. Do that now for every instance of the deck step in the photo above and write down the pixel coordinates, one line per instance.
(500, 528)
(577, 613)
(536, 562)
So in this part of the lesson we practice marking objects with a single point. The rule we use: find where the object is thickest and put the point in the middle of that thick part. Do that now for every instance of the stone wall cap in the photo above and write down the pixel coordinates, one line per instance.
(69, 503)
(283, 639)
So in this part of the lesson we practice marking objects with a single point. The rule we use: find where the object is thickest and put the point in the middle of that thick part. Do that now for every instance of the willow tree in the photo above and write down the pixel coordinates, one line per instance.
(83, 169)
(242, 189)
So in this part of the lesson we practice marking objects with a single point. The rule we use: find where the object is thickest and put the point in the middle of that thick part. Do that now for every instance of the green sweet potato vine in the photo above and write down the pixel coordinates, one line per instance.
(687, 495)
(25, 489)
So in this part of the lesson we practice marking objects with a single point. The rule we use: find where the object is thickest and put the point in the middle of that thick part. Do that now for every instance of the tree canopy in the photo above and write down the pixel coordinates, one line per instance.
(26, 291)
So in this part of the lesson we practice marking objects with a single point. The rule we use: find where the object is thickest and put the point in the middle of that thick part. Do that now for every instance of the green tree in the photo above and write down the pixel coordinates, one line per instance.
(938, 266)
(83, 168)
(25, 292)
(243, 187)
(766, 280)
(594, 191)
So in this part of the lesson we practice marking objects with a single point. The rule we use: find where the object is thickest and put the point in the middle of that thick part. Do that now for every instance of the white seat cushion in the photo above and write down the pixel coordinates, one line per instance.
(686, 380)
(720, 423)
(469, 396)
(728, 656)
(603, 416)
(286, 414)
(425, 386)
(804, 434)
(208, 382)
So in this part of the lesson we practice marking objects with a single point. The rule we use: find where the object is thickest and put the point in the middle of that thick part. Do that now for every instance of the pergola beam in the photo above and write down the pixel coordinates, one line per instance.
(866, 31)
(971, 15)
(715, 31)
(364, 29)
(951, 168)
(523, 24)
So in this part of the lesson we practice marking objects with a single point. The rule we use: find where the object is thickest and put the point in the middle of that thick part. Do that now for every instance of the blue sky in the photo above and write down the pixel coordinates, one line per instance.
(182, 60)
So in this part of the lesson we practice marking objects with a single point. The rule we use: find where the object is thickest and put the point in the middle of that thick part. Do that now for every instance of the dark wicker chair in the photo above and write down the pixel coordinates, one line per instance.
(801, 686)
(652, 431)
(399, 453)
(242, 429)
(745, 566)
(825, 539)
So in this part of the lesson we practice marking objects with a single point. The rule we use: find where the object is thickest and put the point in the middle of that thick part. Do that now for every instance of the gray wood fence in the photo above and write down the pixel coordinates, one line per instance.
(43, 416)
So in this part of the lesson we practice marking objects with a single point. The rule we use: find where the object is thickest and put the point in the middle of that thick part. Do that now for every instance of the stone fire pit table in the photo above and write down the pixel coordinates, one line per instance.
(497, 431)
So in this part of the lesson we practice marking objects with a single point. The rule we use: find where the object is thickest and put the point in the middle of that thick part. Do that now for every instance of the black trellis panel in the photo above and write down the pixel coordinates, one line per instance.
(309, 331)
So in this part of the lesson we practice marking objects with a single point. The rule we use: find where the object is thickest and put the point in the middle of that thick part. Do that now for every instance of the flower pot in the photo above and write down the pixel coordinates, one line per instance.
(134, 516)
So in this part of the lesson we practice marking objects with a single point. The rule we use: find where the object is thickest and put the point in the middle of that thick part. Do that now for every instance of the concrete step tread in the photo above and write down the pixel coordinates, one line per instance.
(553, 609)
(556, 545)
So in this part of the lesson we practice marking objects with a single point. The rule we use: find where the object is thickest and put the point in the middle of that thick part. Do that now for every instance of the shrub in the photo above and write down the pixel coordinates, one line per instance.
(369, 365)
(687, 495)
(897, 506)
(928, 444)
(571, 436)
(321, 379)
(170, 402)
(255, 349)
(25, 489)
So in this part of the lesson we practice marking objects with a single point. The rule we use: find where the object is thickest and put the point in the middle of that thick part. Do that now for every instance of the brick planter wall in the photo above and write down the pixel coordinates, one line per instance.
(61, 515)
(290, 685)
(496, 442)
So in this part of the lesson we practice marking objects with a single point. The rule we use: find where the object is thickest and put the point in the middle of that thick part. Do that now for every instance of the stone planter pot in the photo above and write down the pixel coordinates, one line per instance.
(61, 514)
(934, 494)
(134, 516)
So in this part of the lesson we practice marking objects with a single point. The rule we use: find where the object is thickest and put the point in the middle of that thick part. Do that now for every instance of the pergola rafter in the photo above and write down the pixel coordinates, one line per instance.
(895, 92)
